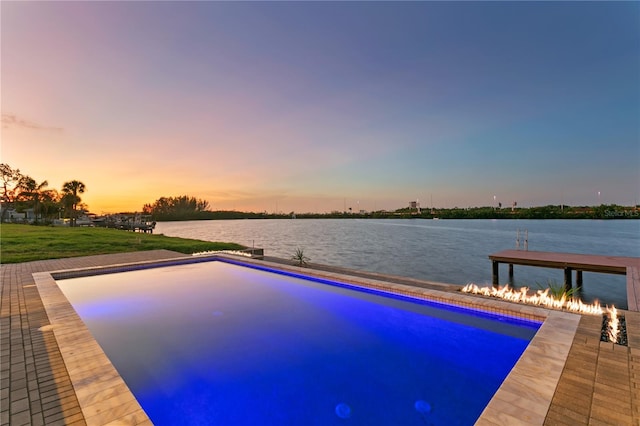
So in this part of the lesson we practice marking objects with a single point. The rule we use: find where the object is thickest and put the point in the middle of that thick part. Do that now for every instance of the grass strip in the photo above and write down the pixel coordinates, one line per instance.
(25, 243)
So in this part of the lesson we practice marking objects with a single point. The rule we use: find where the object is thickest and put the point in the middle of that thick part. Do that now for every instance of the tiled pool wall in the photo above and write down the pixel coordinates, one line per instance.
(524, 396)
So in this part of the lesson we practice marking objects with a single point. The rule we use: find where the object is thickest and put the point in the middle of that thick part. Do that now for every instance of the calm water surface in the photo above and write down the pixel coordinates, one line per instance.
(451, 251)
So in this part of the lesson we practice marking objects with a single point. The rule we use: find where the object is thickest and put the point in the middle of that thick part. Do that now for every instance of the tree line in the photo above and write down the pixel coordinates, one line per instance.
(167, 209)
(21, 192)
(182, 207)
(603, 211)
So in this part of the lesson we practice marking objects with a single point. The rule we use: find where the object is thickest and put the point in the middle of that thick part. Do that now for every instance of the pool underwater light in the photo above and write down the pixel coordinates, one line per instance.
(422, 406)
(343, 411)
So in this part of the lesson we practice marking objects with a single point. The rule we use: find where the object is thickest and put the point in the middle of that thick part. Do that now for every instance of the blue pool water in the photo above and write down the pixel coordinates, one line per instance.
(217, 343)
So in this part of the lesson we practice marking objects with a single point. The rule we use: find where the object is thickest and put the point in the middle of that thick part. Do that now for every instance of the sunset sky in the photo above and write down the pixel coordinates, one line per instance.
(318, 106)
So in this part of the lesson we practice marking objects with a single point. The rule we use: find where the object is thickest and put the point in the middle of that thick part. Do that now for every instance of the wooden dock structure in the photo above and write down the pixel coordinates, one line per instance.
(128, 222)
(629, 266)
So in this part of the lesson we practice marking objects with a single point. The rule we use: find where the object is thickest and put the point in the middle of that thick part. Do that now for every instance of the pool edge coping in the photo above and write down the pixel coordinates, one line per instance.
(525, 395)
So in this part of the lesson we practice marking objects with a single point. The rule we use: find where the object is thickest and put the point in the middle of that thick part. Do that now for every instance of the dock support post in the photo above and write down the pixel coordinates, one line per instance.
(511, 273)
(567, 279)
(579, 279)
(495, 265)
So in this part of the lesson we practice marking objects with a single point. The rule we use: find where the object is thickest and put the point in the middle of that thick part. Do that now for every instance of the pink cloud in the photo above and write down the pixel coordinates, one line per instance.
(12, 120)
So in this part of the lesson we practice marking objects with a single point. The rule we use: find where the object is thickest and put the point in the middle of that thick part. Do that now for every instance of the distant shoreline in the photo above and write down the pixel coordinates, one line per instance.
(328, 217)
(612, 212)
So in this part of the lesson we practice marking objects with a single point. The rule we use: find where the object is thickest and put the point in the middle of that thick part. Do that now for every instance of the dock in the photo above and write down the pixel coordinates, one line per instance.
(129, 222)
(620, 265)
(144, 227)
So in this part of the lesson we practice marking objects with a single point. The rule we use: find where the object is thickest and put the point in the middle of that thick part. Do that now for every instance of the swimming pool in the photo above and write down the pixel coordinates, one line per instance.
(218, 343)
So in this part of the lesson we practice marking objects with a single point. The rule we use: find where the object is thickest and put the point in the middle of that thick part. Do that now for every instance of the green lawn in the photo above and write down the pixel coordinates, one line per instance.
(24, 243)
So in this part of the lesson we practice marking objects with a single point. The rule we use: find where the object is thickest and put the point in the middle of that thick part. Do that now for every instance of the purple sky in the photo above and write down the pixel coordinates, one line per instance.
(314, 106)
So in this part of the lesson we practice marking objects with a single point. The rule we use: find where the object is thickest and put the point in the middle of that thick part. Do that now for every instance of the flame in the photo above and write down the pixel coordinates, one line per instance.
(540, 298)
(612, 327)
(236, 252)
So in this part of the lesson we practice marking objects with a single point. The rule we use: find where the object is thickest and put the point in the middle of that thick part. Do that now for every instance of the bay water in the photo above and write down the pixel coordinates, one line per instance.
(449, 251)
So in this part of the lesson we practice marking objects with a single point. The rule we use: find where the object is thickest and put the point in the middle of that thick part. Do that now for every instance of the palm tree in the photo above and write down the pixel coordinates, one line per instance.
(31, 189)
(71, 191)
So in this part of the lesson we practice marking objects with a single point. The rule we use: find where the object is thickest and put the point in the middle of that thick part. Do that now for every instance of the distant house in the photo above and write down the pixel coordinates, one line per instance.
(30, 215)
(9, 214)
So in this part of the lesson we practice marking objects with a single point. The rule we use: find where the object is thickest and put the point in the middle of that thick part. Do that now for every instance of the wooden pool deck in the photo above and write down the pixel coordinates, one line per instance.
(629, 266)
(599, 382)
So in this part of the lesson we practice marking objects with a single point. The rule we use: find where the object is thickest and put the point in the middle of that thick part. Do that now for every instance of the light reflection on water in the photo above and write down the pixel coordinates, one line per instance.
(452, 251)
